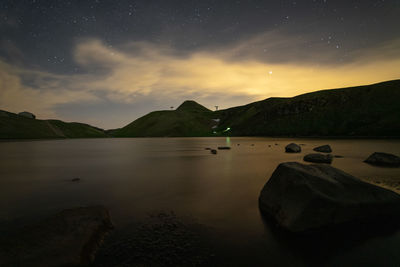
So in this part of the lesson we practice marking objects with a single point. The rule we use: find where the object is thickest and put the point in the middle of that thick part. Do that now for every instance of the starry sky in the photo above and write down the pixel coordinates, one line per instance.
(107, 62)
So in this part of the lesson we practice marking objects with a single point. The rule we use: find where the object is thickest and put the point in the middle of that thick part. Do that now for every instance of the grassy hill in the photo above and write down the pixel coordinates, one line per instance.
(367, 111)
(13, 126)
(372, 110)
(189, 119)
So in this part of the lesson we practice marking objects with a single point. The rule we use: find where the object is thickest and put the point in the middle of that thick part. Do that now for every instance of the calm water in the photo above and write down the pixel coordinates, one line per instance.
(134, 177)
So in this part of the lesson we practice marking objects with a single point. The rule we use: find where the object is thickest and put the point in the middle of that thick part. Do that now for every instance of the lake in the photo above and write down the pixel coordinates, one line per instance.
(134, 177)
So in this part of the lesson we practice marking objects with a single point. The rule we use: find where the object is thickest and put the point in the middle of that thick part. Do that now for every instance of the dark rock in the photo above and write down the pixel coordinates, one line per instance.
(165, 240)
(252, 144)
(324, 149)
(318, 158)
(213, 151)
(292, 148)
(383, 159)
(75, 179)
(224, 147)
(338, 156)
(27, 114)
(303, 197)
(207, 148)
(70, 238)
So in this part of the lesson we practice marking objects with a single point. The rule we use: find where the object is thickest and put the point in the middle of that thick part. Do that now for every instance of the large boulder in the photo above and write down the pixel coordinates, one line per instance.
(324, 149)
(303, 197)
(69, 238)
(383, 159)
(293, 148)
(318, 158)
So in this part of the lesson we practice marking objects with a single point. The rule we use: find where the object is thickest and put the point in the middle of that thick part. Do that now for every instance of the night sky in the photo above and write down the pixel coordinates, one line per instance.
(109, 62)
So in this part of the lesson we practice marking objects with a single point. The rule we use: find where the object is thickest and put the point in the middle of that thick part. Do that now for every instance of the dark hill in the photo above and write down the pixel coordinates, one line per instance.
(189, 119)
(192, 106)
(13, 126)
(370, 111)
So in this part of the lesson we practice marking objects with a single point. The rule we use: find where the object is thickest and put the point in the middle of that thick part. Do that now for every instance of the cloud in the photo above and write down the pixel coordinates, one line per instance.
(159, 71)
(135, 78)
(48, 91)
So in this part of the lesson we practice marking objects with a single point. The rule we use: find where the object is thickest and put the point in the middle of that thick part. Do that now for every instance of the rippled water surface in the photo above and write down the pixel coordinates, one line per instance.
(135, 177)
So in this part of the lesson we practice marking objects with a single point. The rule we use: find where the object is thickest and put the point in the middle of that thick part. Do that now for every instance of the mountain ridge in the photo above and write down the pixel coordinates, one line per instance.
(368, 110)
(359, 111)
(14, 126)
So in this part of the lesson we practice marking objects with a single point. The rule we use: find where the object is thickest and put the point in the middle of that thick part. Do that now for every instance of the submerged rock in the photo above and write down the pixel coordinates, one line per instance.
(292, 148)
(303, 197)
(75, 179)
(224, 147)
(383, 159)
(70, 238)
(213, 151)
(318, 158)
(324, 149)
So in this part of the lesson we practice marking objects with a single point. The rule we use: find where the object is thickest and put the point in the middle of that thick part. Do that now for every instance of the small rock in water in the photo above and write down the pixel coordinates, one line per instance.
(75, 179)
(252, 144)
(383, 159)
(324, 149)
(213, 151)
(207, 148)
(292, 148)
(224, 147)
(338, 156)
(318, 158)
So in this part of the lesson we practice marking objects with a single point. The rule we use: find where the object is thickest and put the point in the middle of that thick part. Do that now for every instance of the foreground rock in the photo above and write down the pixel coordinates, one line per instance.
(69, 238)
(292, 148)
(383, 159)
(306, 197)
(318, 158)
(324, 149)
(163, 239)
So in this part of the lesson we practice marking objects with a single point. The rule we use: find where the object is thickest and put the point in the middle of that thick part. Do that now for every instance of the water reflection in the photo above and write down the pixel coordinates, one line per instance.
(134, 177)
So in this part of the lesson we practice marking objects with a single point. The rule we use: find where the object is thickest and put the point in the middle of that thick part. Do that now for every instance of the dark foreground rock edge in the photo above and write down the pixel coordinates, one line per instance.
(300, 204)
(69, 238)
